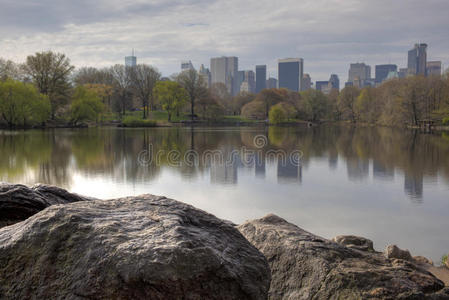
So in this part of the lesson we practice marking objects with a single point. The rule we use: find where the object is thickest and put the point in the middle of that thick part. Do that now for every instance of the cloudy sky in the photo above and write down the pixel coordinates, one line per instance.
(328, 34)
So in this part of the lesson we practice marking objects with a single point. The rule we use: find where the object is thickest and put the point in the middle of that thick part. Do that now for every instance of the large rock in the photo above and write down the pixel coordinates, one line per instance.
(306, 266)
(144, 247)
(19, 202)
(393, 251)
(355, 242)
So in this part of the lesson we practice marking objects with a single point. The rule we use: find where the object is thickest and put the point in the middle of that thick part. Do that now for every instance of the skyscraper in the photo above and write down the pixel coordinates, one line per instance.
(261, 78)
(205, 74)
(360, 73)
(417, 60)
(434, 68)
(291, 71)
(225, 70)
(272, 83)
(306, 82)
(131, 61)
(334, 82)
(382, 72)
(249, 82)
(186, 65)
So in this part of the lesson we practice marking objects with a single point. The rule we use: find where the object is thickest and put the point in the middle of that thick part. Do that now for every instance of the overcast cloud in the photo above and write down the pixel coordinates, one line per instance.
(328, 34)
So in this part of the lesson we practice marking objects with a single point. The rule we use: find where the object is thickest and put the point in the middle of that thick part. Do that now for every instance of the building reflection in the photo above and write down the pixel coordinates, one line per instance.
(381, 171)
(413, 186)
(288, 172)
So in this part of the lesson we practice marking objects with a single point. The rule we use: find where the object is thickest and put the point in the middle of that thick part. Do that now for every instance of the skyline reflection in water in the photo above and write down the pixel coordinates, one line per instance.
(391, 186)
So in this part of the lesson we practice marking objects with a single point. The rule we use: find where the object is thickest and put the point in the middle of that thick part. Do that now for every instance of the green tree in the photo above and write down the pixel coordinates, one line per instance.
(277, 114)
(86, 105)
(171, 95)
(50, 72)
(22, 105)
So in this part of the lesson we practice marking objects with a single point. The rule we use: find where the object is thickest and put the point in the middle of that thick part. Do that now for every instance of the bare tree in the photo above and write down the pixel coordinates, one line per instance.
(195, 86)
(144, 79)
(122, 83)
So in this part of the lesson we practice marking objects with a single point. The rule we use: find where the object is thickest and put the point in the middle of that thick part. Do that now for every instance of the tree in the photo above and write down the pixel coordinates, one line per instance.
(315, 105)
(277, 114)
(346, 102)
(22, 105)
(219, 92)
(90, 75)
(240, 100)
(10, 70)
(210, 107)
(195, 86)
(144, 80)
(171, 95)
(50, 72)
(121, 81)
(86, 105)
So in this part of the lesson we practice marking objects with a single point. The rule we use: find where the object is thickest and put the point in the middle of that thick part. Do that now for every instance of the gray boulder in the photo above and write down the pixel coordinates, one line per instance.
(393, 251)
(306, 266)
(355, 242)
(144, 247)
(19, 202)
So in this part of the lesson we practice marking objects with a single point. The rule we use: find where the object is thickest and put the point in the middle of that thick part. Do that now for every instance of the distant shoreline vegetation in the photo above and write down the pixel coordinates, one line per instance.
(47, 91)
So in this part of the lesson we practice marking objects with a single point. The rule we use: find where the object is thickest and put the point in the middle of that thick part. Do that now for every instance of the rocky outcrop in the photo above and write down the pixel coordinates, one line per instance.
(144, 247)
(306, 266)
(19, 202)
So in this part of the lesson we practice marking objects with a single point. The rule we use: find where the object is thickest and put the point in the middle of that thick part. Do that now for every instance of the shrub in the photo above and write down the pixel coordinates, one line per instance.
(444, 260)
(446, 121)
(131, 121)
(277, 115)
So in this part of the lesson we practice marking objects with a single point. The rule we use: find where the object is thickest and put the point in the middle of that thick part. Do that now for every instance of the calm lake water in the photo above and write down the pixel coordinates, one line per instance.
(391, 186)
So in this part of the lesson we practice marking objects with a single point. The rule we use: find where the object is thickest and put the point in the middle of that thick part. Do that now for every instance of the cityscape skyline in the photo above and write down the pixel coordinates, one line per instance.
(327, 34)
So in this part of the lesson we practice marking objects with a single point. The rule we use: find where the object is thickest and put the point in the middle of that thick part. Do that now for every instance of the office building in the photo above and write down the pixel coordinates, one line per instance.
(417, 60)
(334, 82)
(186, 65)
(205, 75)
(272, 83)
(290, 72)
(261, 78)
(382, 72)
(359, 73)
(402, 72)
(321, 85)
(306, 82)
(249, 82)
(434, 68)
(131, 61)
(225, 70)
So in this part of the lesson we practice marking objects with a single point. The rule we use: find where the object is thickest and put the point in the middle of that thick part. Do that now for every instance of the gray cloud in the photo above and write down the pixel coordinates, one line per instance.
(328, 34)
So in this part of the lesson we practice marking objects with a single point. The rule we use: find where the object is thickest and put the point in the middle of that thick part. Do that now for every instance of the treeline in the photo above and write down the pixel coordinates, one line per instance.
(47, 88)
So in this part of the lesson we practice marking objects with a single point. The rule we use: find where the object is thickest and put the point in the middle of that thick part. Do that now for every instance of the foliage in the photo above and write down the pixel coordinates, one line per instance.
(444, 260)
(171, 96)
(346, 103)
(446, 121)
(241, 100)
(254, 110)
(86, 105)
(22, 105)
(315, 105)
(277, 114)
(50, 72)
(210, 107)
(132, 121)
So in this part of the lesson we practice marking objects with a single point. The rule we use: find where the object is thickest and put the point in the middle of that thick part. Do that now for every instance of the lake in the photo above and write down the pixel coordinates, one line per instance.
(389, 185)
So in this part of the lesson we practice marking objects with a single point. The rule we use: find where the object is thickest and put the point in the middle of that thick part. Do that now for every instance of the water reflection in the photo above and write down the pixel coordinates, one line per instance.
(53, 156)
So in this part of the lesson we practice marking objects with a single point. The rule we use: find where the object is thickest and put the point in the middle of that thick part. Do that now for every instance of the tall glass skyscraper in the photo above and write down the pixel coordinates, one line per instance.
(417, 60)
(291, 71)
(261, 78)
(131, 61)
(225, 70)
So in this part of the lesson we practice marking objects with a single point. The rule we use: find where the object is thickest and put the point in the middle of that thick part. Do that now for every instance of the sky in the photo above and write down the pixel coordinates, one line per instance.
(327, 34)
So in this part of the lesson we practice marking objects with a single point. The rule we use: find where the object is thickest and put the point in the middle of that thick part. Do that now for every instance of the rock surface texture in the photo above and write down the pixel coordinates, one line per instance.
(19, 202)
(305, 266)
(144, 247)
